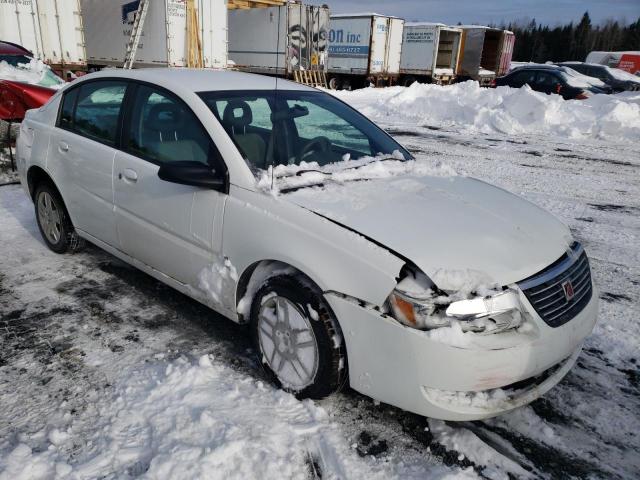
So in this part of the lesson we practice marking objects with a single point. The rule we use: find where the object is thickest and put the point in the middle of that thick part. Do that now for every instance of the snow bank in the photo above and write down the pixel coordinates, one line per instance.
(196, 418)
(503, 109)
(34, 72)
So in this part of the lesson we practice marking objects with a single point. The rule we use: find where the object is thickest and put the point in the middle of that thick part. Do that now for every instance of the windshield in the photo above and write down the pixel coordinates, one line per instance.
(621, 74)
(291, 127)
(578, 80)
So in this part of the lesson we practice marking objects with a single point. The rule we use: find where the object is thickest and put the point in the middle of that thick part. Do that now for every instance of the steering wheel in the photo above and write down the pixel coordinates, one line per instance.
(317, 144)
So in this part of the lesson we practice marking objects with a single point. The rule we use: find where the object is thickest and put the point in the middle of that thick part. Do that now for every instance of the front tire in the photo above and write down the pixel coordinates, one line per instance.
(53, 220)
(298, 338)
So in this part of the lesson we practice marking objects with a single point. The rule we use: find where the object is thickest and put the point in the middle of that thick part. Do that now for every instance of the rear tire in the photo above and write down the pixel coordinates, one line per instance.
(53, 221)
(297, 338)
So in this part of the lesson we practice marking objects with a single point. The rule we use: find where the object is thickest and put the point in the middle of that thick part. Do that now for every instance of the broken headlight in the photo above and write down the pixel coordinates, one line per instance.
(417, 302)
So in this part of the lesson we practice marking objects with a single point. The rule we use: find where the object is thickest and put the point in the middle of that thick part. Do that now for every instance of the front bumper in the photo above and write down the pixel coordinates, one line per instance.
(406, 368)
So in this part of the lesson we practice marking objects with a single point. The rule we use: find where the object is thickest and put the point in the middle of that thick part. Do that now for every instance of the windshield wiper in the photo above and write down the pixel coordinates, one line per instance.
(302, 172)
(386, 159)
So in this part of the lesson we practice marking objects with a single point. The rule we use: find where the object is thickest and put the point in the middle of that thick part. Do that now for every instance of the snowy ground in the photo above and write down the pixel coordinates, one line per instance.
(106, 372)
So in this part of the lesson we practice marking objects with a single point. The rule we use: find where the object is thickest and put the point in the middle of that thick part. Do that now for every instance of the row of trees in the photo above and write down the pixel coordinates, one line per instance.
(539, 43)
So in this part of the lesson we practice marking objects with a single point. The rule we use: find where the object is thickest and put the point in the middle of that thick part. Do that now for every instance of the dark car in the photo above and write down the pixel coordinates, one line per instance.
(552, 79)
(617, 79)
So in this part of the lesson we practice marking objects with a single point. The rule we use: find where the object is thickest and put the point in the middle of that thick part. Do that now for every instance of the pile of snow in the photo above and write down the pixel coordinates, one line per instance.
(287, 177)
(503, 109)
(35, 72)
(195, 418)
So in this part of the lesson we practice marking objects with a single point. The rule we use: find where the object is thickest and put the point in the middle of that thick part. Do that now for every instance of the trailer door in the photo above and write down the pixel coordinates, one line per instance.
(378, 57)
(318, 36)
(62, 32)
(19, 24)
(394, 46)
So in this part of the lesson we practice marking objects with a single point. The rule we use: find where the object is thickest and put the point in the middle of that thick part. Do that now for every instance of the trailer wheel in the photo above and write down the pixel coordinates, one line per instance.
(346, 85)
(334, 83)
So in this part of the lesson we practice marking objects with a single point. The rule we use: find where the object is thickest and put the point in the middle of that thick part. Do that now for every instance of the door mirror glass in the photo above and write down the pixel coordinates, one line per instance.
(192, 173)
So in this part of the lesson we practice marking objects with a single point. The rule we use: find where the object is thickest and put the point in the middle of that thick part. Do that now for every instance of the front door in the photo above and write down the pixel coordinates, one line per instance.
(172, 228)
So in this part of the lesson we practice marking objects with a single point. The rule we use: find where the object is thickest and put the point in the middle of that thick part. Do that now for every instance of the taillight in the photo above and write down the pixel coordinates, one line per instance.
(582, 95)
(493, 83)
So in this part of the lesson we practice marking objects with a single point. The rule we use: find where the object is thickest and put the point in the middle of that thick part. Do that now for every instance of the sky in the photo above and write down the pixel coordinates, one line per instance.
(549, 12)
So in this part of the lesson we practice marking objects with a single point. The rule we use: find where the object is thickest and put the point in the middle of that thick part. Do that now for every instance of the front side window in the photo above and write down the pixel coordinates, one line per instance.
(163, 129)
(97, 110)
(288, 127)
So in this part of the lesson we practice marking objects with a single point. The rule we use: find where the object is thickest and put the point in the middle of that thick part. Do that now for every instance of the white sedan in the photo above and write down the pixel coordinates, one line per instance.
(282, 207)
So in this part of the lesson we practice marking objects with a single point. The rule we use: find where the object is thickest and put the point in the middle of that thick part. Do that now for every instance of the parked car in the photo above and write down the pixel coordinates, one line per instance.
(271, 207)
(552, 79)
(14, 54)
(17, 64)
(617, 79)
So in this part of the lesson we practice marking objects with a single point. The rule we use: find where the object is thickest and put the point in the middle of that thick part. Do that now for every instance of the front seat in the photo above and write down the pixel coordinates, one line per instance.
(166, 134)
(236, 118)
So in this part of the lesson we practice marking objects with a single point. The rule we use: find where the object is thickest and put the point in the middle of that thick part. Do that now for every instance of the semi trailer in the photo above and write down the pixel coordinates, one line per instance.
(429, 53)
(485, 53)
(280, 40)
(364, 49)
(163, 41)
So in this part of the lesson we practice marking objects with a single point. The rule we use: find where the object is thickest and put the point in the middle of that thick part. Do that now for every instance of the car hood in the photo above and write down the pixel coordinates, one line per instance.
(452, 228)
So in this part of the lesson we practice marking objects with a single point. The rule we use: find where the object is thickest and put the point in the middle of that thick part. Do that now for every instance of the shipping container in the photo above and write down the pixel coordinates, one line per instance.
(279, 40)
(429, 53)
(163, 43)
(485, 53)
(364, 49)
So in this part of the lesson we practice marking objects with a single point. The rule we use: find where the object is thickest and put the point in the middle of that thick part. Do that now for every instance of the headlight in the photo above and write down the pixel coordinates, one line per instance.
(416, 302)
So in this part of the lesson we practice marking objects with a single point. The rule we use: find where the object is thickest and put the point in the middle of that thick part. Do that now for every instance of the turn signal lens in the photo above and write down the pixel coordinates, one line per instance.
(403, 309)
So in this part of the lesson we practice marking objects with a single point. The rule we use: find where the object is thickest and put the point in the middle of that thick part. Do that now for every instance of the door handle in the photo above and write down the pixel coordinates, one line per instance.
(129, 174)
(63, 146)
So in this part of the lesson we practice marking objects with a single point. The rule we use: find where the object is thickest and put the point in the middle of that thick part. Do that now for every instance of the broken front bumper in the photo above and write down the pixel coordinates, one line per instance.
(406, 368)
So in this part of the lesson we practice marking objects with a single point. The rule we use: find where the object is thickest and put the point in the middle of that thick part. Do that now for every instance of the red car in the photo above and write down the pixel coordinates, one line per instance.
(18, 97)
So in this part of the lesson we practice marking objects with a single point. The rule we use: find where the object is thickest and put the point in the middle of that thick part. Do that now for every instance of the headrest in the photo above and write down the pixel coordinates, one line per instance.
(237, 114)
(165, 117)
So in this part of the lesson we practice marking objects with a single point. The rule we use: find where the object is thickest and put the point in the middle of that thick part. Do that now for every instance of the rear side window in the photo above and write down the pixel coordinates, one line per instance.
(93, 110)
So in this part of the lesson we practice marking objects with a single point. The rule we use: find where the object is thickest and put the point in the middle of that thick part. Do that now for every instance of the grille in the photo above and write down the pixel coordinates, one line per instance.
(546, 293)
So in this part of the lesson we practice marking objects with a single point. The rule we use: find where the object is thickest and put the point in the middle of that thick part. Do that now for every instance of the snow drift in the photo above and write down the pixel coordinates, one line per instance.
(35, 72)
(503, 109)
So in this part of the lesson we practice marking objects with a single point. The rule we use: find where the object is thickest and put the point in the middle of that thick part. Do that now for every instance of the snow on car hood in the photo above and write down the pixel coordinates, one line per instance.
(451, 227)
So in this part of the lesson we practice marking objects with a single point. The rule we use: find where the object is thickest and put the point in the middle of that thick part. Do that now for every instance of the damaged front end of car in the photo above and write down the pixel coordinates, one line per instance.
(418, 303)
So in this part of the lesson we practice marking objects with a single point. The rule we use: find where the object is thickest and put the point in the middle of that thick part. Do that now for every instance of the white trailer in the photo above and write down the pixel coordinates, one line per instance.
(164, 33)
(19, 24)
(279, 40)
(485, 54)
(51, 29)
(364, 48)
(429, 53)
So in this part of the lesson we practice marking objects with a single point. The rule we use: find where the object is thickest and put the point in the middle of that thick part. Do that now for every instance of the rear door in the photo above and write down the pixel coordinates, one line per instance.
(81, 154)
(167, 226)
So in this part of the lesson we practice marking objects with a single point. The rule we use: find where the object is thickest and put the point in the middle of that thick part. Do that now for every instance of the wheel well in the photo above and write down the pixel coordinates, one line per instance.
(254, 276)
(36, 176)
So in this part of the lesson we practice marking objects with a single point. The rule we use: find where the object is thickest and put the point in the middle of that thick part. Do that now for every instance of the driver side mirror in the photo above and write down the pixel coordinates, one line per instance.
(191, 173)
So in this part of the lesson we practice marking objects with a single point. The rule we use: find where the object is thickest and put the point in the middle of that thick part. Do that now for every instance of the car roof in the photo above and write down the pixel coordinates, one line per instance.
(10, 48)
(536, 67)
(581, 63)
(198, 80)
